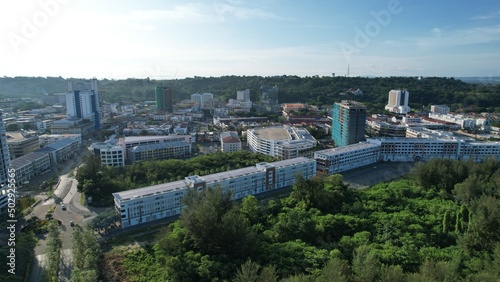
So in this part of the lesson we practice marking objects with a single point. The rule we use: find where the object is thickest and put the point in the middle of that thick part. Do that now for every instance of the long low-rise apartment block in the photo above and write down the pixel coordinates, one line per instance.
(62, 150)
(134, 143)
(403, 150)
(164, 200)
(30, 165)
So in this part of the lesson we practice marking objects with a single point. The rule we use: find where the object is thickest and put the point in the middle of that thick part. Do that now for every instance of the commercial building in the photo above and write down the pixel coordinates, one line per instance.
(72, 126)
(340, 159)
(398, 101)
(83, 102)
(230, 142)
(47, 139)
(348, 123)
(160, 151)
(382, 128)
(21, 143)
(110, 155)
(243, 95)
(284, 142)
(4, 166)
(30, 165)
(61, 151)
(196, 98)
(164, 200)
(130, 142)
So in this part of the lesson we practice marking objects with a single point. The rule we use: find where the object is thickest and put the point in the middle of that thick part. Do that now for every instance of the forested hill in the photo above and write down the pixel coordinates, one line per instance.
(314, 90)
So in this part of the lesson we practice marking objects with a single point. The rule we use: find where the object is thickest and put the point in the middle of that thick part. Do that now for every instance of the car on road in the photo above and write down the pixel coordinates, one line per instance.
(71, 223)
(63, 207)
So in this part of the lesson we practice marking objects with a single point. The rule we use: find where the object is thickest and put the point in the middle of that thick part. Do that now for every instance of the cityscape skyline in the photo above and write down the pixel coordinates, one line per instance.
(163, 40)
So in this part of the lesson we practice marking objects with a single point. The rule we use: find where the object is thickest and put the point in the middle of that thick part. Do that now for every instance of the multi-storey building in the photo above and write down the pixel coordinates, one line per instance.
(20, 144)
(130, 142)
(243, 95)
(164, 99)
(348, 123)
(440, 109)
(75, 126)
(47, 139)
(30, 165)
(164, 200)
(83, 102)
(61, 151)
(4, 167)
(110, 155)
(284, 142)
(160, 151)
(230, 142)
(398, 101)
(207, 100)
(340, 159)
(196, 98)
(382, 128)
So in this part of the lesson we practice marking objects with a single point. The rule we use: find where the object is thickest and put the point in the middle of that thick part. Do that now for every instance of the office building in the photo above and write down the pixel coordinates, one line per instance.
(21, 143)
(130, 142)
(348, 123)
(160, 151)
(230, 142)
(269, 99)
(83, 102)
(164, 200)
(61, 151)
(398, 101)
(4, 166)
(207, 100)
(284, 142)
(47, 139)
(109, 154)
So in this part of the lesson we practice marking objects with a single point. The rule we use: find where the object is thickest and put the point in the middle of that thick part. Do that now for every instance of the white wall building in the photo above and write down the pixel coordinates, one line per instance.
(243, 95)
(164, 200)
(111, 155)
(230, 142)
(130, 142)
(47, 139)
(440, 109)
(398, 101)
(348, 157)
(196, 98)
(30, 165)
(280, 141)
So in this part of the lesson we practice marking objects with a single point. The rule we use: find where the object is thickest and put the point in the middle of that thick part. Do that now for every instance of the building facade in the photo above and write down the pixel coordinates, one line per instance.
(110, 155)
(284, 142)
(340, 159)
(164, 99)
(129, 142)
(269, 99)
(20, 144)
(398, 101)
(230, 142)
(83, 102)
(164, 200)
(30, 165)
(61, 151)
(47, 139)
(348, 123)
(160, 151)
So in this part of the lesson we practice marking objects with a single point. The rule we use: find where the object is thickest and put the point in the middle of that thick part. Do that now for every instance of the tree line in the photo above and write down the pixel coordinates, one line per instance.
(441, 226)
(314, 90)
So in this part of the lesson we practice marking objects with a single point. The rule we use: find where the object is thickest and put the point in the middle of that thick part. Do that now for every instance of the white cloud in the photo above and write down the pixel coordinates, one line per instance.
(243, 13)
(487, 17)
(437, 31)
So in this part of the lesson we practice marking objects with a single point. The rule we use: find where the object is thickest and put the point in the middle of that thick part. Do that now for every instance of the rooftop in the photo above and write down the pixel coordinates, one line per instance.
(348, 148)
(230, 137)
(149, 147)
(272, 133)
(57, 145)
(27, 159)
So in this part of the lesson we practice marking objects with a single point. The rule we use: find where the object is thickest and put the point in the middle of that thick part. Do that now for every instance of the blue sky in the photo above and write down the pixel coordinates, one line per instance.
(163, 39)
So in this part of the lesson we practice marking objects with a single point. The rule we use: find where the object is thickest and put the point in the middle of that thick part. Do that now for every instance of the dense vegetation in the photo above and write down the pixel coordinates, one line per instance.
(99, 182)
(315, 90)
(441, 225)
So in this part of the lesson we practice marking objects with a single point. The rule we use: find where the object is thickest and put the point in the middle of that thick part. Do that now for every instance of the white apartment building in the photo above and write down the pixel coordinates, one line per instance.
(280, 141)
(164, 200)
(398, 101)
(110, 155)
(230, 142)
(62, 150)
(196, 98)
(243, 95)
(132, 141)
(440, 109)
(348, 157)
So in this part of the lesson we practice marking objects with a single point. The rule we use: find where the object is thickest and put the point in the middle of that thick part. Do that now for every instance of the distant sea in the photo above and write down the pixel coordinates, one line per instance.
(481, 79)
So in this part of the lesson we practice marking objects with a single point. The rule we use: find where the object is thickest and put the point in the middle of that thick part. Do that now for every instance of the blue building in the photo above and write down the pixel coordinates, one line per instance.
(348, 123)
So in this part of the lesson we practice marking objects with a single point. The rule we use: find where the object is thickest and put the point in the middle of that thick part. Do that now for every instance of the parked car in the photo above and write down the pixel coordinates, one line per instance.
(71, 223)
(63, 207)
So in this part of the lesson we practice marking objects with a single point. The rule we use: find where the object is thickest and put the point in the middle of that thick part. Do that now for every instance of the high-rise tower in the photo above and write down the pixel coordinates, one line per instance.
(83, 101)
(398, 101)
(164, 98)
(348, 123)
(269, 98)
